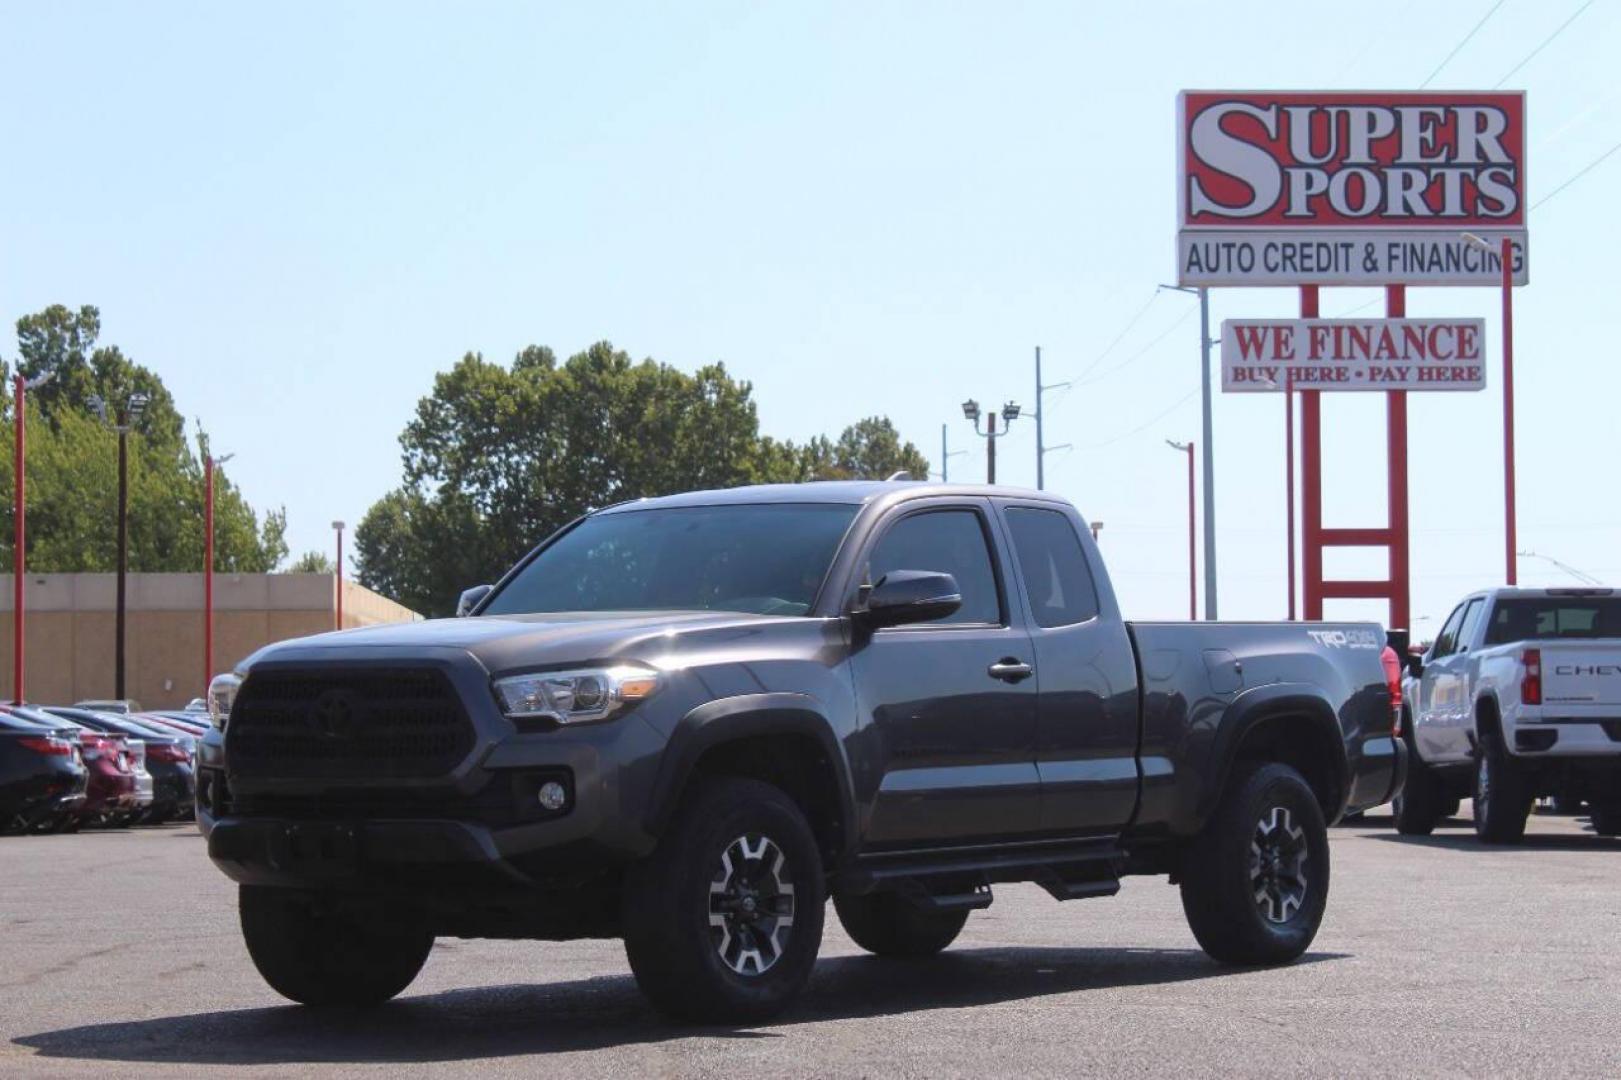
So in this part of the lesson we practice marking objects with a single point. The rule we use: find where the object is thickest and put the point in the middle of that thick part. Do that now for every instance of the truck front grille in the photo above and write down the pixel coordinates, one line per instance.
(356, 724)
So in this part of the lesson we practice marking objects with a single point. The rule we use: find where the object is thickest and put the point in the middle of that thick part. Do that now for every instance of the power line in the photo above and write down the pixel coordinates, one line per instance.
(1117, 338)
(1459, 46)
(1134, 357)
(1177, 404)
(1545, 41)
(1583, 171)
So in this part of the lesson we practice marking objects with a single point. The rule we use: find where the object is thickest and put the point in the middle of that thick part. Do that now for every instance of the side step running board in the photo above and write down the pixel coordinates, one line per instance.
(960, 879)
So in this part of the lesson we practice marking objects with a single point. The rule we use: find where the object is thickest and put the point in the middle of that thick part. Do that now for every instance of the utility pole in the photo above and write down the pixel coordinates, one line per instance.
(1208, 432)
(1042, 449)
(1010, 413)
(123, 421)
(946, 455)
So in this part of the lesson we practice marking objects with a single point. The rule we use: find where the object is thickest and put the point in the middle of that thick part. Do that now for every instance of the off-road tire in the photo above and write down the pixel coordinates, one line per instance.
(887, 924)
(1220, 895)
(681, 956)
(1502, 800)
(316, 955)
(1421, 804)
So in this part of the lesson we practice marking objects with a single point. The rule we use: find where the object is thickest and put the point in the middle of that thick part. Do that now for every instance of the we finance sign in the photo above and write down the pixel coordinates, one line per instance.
(1330, 188)
(1270, 355)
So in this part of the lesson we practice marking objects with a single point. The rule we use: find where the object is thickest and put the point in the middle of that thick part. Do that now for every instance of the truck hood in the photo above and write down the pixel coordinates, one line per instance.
(504, 641)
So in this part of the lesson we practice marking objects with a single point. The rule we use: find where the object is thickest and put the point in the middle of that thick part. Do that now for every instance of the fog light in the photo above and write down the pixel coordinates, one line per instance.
(553, 795)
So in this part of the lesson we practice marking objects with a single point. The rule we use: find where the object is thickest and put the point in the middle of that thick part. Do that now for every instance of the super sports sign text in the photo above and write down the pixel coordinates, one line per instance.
(1348, 188)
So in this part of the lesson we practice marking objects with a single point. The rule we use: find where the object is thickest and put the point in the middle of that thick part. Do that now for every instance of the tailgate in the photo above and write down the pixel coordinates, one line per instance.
(1585, 674)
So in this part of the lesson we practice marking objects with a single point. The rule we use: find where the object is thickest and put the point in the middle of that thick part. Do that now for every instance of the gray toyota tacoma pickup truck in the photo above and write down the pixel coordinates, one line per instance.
(690, 721)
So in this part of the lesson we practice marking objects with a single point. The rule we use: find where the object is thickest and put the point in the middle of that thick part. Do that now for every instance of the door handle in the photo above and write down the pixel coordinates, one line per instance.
(1010, 669)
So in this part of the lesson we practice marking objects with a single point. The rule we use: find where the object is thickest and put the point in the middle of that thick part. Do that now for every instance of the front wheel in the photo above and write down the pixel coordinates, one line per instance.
(886, 924)
(1421, 803)
(1502, 802)
(1255, 880)
(724, 920)
(316, 955)
(1607, 820)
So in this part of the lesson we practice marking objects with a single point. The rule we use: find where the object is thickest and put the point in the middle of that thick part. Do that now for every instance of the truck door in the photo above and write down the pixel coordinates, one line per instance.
(950, 705)
(1444, 715)
(1086, 726)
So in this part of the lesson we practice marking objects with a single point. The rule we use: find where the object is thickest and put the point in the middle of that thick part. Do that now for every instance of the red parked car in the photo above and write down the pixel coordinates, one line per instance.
(114, 794)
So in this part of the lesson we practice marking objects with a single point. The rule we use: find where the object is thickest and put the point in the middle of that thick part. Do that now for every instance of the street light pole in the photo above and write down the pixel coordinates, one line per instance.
(124, 420)
(209, 465)
(1193, 546)
(1208, 433)
(19, 551)
(1010, 413)
(337, 527)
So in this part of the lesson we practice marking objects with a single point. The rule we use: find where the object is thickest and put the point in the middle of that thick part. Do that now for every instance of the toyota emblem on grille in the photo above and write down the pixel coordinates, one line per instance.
(335, 714)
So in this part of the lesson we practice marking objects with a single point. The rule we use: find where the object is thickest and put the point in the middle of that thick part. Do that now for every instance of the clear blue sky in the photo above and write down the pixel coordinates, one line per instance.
(298, 213)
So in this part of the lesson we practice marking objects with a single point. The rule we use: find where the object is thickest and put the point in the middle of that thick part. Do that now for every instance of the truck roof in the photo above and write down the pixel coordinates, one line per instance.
(1507, 593)
(829, 491)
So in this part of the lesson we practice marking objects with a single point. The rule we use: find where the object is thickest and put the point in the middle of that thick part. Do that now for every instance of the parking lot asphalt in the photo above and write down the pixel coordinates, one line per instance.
(119, 955)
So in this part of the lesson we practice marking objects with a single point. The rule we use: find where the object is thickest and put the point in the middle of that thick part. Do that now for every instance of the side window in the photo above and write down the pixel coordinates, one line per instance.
(1471, 619)
(949, 541)
(1053, 567)
(1448, 637)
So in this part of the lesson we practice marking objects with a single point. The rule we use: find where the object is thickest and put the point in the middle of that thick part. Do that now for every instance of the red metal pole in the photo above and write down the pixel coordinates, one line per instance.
(18, 552)
(1289, 478)
(1311, 477)
(1396, 464)
(208, 569)
(1511, 544)
(1193, 577)
(340, 580)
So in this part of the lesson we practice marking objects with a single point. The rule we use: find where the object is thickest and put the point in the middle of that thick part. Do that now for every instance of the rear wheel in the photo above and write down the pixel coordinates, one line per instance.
(724, 920)
(1607, 820)
(316, 955)
(1502, 801)
(1255, 880)
(887, 924)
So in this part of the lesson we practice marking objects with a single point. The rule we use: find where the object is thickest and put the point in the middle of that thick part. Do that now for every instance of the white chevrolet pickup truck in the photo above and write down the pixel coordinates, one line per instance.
(1518, 697)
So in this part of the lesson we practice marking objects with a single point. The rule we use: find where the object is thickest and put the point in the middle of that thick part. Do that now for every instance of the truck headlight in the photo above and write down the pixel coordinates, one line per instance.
(221, 695)
(572, 697)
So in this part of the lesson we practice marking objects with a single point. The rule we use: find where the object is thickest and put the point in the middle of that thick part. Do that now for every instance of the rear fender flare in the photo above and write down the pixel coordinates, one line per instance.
(1305, 705)
(746, 716)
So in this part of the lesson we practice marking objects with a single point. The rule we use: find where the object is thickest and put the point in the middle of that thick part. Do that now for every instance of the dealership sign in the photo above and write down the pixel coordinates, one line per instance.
(1353, 354)
(1337, 188)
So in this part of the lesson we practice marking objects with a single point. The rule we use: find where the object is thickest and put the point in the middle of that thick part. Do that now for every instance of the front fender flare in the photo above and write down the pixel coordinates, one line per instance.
(745, 716)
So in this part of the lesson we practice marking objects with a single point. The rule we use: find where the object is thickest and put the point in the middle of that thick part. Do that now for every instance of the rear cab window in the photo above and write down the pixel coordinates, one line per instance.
(1057, 580)
(1535, 618)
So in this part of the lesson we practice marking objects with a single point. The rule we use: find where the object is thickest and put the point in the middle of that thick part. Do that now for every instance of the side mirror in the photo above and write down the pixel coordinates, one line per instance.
(910, 596)
(471, 598)
(1415, 664)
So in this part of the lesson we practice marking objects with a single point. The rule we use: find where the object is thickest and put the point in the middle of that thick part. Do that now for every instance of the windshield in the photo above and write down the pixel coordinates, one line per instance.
(766, 559)
(1555, 617)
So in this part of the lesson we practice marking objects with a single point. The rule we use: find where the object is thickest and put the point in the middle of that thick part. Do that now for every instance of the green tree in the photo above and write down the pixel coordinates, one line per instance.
(311, 562)
(497, 458)
(73, 466)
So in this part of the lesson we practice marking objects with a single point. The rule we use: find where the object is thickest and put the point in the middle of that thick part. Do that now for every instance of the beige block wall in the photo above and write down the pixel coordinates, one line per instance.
(71, 621)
